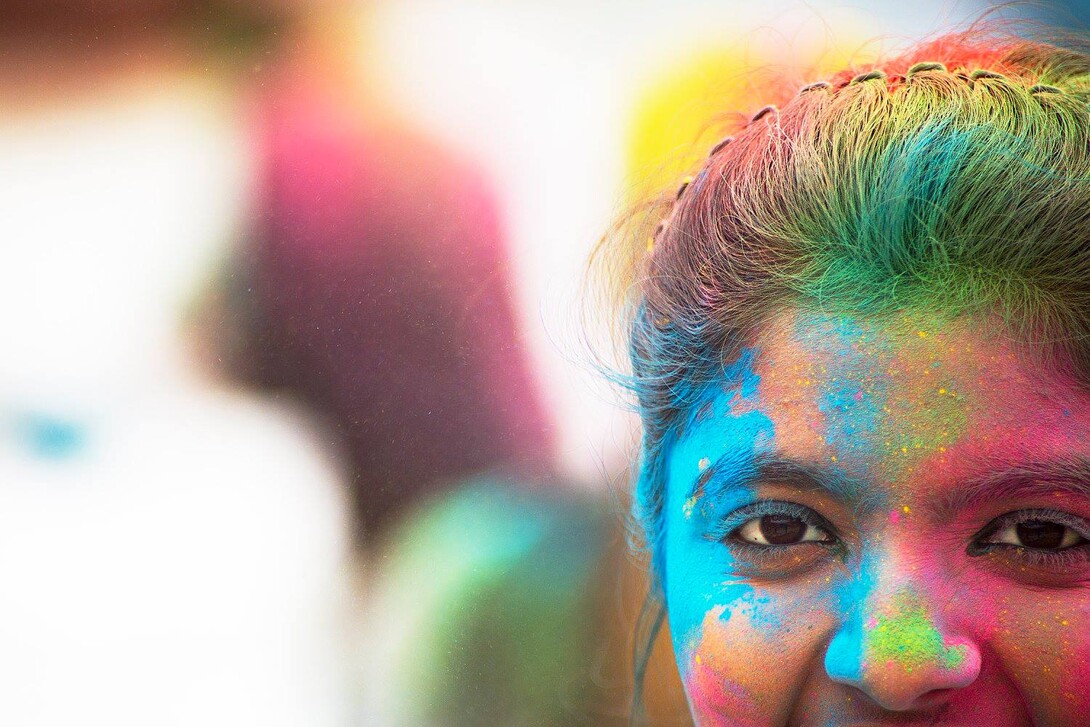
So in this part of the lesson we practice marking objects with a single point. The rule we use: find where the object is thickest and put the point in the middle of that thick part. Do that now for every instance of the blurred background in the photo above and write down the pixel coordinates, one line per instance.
(302, 420)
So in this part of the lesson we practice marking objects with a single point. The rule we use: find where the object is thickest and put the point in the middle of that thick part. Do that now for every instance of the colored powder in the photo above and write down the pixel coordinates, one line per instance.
(908, 637)
(874, 394)
(50, 437)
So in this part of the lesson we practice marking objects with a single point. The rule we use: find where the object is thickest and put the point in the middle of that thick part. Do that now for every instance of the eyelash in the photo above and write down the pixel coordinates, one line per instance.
(1058, 559)
(733, 522)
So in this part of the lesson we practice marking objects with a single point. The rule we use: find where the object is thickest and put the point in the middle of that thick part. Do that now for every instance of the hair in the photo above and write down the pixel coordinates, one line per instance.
(952, 178)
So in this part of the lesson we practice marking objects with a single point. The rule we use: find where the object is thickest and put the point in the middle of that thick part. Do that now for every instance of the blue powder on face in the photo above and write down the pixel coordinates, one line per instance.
(852, 398)
(844, 657)
(730, 434)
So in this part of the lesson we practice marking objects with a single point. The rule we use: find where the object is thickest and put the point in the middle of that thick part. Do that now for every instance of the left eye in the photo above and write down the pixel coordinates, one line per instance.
(1037, 535)
(779, 529)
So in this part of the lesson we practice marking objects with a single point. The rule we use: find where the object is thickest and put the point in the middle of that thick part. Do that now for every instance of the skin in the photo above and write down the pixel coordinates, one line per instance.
(902, 444)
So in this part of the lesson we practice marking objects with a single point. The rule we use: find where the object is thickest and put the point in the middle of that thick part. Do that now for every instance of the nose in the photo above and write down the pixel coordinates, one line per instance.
(895, 651)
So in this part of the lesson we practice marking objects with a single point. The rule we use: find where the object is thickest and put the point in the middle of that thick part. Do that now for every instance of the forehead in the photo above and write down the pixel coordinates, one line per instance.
(898, 398)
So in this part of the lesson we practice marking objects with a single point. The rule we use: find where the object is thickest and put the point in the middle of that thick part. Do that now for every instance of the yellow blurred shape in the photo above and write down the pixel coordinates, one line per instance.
(674, 119)
(686, 110)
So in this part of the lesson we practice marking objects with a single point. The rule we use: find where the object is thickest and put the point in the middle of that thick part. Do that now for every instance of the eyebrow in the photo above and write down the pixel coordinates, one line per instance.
(733, 471)
(1063, 476)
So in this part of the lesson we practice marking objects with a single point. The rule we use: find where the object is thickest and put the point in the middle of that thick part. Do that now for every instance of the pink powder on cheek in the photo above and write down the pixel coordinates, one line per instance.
(712, 676)
(711, 697)
(1043, 642)
(727, 665)
(1074, 693)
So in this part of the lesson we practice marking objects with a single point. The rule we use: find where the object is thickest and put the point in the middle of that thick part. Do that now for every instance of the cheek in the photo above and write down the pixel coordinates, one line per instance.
(1074, 693)
(726, 661)
(1043, 641)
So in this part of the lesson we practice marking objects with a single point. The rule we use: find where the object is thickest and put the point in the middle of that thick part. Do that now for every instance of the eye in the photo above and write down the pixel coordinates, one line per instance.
(772, 524)
(779, 530)
(1036, 530)
(1053, 543)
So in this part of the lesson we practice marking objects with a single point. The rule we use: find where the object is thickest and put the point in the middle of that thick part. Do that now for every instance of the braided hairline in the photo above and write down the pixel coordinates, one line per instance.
(892, 83)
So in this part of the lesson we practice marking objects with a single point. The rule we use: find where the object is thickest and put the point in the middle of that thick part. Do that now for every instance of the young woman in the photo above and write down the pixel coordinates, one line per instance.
(859, 340)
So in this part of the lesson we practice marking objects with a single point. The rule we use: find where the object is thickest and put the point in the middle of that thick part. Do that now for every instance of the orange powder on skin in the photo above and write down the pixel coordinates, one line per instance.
(716, 680)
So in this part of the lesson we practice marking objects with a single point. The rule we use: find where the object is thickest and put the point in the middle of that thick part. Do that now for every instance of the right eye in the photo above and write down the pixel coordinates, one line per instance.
(776, 524)
(1038, 535)
(780, 530)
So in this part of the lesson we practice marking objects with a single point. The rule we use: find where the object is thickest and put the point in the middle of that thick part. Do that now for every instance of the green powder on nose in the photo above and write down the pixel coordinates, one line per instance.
(908, 637)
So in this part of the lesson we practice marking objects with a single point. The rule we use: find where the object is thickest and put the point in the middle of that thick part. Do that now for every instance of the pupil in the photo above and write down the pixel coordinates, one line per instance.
(1040, 534)
(782, 529)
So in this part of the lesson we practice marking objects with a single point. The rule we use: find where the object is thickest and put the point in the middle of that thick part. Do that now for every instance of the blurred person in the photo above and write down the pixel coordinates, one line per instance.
(857, 339)
(375, 288)
(171, 551)
(486, 609)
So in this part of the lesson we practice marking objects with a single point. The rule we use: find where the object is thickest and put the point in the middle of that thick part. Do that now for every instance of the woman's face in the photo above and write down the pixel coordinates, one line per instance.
(882, 523)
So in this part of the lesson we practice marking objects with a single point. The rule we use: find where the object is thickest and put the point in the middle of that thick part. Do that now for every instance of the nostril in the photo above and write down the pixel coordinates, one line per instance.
(932, 698)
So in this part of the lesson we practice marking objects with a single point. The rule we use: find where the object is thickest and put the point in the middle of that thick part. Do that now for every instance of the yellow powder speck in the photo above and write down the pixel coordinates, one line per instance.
(698, 659)
(942, 391)
(1063, 623)
(923, 334)
(833, 458)
(687, 508)
(704, 463)
(650, 244)
(942, 449)
(906, 510)
(904, 450)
